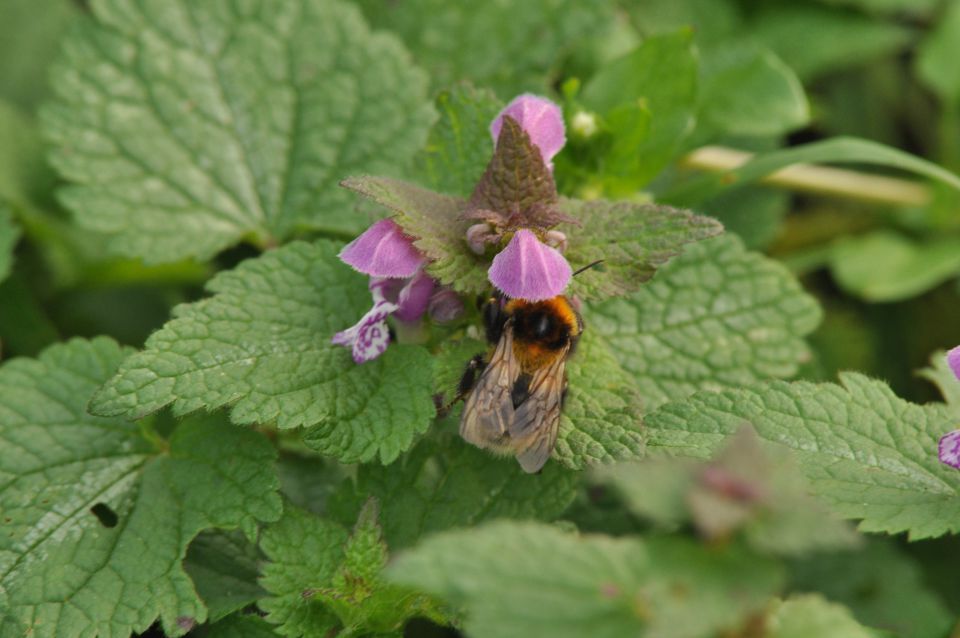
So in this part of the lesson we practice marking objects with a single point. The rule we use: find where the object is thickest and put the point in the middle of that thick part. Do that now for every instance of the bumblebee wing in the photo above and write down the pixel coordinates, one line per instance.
(537, 420)
(489, 411)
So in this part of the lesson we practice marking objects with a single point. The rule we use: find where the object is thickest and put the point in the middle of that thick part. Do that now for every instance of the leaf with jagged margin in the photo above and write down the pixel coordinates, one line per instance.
(870, 454)
(530, 579)
(98, 516)
(323, 579)
(261, 345)
(509, 46)
(632, 240)
(746, 490)
(363, 601)
(223, 568)
(813, 615)
(881, 585)
(9, 234)
(601, 419)
(459, 145)
(715, 317)
(445, 483)
(187, 127)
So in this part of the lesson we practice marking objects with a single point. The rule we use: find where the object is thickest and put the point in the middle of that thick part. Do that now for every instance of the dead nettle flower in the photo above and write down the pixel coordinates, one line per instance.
(949, 448)
(517, 199)
(398, 284)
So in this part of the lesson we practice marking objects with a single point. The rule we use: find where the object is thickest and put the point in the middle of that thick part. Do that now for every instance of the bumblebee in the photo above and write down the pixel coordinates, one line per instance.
(515, 393)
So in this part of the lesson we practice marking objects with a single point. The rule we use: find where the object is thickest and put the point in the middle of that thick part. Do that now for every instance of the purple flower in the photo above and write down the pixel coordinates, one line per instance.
(398, 284)
(383, 251)
(949, 448)
(529, 269)
(953, 360)
(540, 118)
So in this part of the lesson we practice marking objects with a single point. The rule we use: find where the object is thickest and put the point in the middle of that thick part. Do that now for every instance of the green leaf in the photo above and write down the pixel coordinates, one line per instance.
(303, 552)
(511, 47)
(754, 213)
(813, 615)
(9, 234)
(747, 490)
(448, 483)
(839, 150)
(223, 568)
(98, 516)
(189, 128)
(815, 40)
(29, 40)
(661, 77)
(308, 482)
(715, 317)
(261, 345)
(940, 375)
(238, 626)
(632, 239)
(880, 584)
(529, 579)
(601, 419)
(459, 146)
(746, 89)
(936, 55)
(886, 266)
(870, 454)
(363, 602)
(323, 580)
(711, 20)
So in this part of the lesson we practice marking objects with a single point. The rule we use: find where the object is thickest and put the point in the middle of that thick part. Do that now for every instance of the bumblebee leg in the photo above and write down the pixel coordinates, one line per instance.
(470, 375)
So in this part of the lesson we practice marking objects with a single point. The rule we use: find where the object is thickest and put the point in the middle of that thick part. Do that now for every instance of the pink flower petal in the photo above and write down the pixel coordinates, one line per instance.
(953, 360)
(949, 449)
(383, 251)
(540, 118)
(414, 297)
(370, 336)
(528, 269)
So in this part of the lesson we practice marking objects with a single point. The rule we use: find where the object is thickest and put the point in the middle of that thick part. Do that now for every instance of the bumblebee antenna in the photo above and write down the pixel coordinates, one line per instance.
(588, 267)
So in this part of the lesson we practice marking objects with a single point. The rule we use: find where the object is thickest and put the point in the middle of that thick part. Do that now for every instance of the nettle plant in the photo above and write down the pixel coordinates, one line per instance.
(283, 456)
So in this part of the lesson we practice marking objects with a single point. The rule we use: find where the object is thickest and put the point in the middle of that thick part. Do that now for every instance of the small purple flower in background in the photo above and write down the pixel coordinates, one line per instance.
(949, 447)
(540, 118)
(527, 268)
(398, 285)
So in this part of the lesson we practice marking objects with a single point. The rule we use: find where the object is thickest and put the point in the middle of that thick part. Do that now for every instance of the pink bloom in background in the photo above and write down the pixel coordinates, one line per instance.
(540, 118)
(398, 285)
(949, 448)
(529, 269)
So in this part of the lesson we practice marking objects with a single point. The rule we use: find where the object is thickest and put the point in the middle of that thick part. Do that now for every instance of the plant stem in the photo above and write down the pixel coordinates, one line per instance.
(822, 180)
